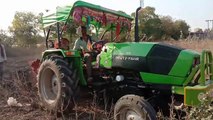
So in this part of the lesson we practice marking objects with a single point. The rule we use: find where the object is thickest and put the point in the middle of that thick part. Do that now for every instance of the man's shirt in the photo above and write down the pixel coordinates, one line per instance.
(83, 45)
(80, 44)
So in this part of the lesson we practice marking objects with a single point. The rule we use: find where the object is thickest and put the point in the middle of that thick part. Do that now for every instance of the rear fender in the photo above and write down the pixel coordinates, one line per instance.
(64, 53)
(71, 55)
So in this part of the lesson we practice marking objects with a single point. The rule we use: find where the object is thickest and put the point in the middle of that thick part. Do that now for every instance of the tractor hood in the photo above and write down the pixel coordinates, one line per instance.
(148, 57)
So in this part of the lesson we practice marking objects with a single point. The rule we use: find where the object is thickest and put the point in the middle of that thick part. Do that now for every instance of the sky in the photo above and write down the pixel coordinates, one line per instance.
(194, 12)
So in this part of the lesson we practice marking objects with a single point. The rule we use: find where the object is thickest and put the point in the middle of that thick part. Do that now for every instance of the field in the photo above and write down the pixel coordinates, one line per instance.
(19, 82)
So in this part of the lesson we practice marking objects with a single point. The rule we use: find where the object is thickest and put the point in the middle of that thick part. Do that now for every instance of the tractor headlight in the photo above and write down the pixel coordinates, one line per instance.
(119, 78)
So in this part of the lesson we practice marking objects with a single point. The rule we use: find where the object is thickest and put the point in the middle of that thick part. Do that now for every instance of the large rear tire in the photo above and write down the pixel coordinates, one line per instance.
(133, 107)
(57, 84)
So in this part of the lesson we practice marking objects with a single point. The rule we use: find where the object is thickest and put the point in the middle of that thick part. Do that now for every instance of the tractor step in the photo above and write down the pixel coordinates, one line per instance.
(98, 83)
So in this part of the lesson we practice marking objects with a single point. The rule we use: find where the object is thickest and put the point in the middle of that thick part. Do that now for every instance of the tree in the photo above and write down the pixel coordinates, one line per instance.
(6, 39)
(149, 23)
(3, 35)
(167, 27)
(155, 27)
(25, 29)
(174, 29)
(181, 27)
(69, 31)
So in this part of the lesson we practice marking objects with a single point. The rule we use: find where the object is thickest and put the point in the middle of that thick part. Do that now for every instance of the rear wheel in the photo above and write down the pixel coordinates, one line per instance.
(57, 84)
(133, 107)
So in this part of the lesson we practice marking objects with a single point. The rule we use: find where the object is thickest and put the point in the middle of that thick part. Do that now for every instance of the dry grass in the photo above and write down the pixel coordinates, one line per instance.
(197, 45)
(21, 85)
(23, 52)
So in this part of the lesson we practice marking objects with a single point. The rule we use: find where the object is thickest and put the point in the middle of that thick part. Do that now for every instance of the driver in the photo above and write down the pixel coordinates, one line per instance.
(84, 43)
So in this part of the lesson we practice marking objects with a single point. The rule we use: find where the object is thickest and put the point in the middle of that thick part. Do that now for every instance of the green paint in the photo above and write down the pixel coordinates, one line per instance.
(191, 75)
(191, 93)
(133, 48)
(78, 65)
(161, 79)
(100, 8)
(75, 58)
(61, 14)
(60, 52)
(106, 56)
(183, 64)
(178, 90)
(206, 66)
(140, 49)
(53, 51)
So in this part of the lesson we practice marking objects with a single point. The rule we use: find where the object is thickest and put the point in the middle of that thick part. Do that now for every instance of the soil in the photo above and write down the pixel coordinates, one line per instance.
(19, 82)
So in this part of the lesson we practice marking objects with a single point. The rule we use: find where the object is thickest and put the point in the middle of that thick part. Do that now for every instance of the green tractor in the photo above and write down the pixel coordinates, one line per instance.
(140, 76)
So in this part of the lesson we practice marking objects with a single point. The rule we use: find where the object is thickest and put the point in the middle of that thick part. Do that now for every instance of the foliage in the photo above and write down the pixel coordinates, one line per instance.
(203, 111)
(181, 26)
(67, 31)
(25, 29)
(7, 40)
(3, 35)
(168, 27)
(155, 27)
(149, 23)
(70, 31)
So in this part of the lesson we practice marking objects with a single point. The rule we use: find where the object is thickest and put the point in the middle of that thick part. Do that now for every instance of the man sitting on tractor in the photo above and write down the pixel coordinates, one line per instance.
(64, 44)
(84, 43)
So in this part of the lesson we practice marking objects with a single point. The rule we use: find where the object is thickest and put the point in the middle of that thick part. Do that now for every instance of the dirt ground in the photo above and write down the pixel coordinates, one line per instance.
(19, 82)
(17, 66)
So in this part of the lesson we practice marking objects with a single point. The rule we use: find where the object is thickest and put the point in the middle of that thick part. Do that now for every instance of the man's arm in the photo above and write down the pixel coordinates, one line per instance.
(77, 45)
(94, 38)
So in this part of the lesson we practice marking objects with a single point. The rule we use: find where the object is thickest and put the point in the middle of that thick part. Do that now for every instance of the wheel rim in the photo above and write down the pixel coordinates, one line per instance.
(49, 85)
(132, 115)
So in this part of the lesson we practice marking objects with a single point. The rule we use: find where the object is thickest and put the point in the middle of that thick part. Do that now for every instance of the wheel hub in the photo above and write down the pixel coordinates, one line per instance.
(132, 115)
(54, 85)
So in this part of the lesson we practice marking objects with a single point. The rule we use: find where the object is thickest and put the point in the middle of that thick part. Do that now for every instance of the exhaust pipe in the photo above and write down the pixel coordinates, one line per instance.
(136, 21)
(136, 25)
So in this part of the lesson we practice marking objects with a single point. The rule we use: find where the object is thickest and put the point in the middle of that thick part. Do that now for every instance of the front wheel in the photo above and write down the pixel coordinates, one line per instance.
(133, 107)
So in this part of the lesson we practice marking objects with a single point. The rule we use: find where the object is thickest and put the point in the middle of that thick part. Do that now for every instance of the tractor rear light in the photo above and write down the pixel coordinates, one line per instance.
(69, 53)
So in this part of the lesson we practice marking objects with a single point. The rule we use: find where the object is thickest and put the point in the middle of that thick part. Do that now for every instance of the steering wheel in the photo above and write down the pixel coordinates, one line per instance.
(97, 46)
